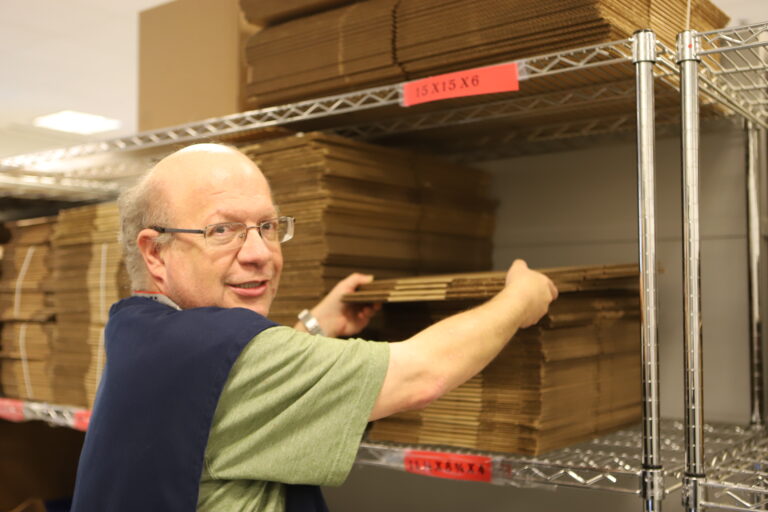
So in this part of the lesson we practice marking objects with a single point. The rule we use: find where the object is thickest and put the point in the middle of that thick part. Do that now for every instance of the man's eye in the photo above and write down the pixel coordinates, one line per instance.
(268, 225)
(221, 229)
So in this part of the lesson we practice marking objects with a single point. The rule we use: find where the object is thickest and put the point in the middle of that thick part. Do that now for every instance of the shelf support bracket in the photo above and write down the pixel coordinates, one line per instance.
(644, 58)
(692, 492)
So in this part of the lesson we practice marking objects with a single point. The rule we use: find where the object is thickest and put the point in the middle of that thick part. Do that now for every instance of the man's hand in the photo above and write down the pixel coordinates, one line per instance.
(339, 319)
(534, 290)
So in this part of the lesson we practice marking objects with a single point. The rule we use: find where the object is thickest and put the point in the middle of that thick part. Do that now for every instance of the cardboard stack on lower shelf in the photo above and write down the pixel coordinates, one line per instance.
(26, 309)
(380, 42)
(364, 208)
(574, 375)
(89, 276)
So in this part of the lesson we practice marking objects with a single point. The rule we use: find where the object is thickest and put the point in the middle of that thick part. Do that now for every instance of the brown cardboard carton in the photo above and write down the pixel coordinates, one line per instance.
(189, 61)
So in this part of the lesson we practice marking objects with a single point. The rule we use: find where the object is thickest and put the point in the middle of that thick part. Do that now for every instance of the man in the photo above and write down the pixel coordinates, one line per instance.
(204, 402)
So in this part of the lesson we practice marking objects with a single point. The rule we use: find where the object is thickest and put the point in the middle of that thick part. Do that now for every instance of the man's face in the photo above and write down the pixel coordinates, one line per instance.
(228, 188)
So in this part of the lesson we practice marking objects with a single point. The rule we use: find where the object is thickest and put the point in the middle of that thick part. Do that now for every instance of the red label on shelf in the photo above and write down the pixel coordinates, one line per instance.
(81, 420)
(11, 409)
(449, 465)
(472, 82)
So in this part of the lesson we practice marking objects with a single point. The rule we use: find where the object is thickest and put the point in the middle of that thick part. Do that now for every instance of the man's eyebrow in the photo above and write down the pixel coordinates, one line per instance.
(238, 215)
(222, 216)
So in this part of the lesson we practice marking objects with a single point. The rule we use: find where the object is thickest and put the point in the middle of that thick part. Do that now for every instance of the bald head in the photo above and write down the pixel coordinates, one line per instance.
(206, 161)
(190, 175)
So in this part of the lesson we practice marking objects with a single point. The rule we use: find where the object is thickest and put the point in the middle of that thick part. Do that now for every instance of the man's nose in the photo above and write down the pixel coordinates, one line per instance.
(254, 248)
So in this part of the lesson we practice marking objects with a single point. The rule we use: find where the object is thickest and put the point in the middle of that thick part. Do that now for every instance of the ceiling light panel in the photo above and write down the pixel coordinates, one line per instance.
(77, 122)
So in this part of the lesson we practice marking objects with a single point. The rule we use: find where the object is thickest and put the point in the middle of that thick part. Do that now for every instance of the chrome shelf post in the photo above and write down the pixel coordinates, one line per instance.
(687, 48)
(757, 412)
(644, 58)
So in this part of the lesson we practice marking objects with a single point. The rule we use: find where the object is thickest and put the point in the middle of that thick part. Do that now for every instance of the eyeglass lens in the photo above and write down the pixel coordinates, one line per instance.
(273, 230)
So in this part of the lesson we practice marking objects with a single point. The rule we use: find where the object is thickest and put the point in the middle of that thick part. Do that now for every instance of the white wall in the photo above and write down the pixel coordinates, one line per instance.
(580, 207)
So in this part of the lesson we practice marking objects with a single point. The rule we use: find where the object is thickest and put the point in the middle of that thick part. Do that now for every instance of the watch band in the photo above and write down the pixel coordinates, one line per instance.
(311, 323)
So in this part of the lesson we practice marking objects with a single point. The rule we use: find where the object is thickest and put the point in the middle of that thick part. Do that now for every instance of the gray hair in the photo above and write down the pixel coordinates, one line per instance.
(141, 206)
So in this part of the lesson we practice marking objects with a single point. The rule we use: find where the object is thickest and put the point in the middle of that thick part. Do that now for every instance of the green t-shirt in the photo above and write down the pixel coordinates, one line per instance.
(293, 410)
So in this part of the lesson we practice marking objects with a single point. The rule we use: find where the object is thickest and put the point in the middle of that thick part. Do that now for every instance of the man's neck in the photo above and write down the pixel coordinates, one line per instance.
(156, 296)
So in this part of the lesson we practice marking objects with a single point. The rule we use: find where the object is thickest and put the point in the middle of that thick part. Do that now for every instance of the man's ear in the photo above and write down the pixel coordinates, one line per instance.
(153, 259)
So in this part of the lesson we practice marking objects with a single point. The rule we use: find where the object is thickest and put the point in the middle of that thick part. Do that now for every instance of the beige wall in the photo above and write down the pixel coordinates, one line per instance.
(580, 208)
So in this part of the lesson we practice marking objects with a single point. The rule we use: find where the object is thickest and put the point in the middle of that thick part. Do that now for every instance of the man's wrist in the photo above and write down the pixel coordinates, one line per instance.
(310, 323)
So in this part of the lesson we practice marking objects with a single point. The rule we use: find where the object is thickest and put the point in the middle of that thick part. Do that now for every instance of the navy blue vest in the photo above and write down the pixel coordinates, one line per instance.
(147, 436)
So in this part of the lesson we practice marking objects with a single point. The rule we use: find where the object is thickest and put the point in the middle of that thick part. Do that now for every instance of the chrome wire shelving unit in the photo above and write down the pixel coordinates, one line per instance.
(581, 93)
(729, 67)
(576, 93)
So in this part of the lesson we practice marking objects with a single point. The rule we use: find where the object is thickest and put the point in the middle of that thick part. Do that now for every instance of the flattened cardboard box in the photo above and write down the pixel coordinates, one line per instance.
(572, 376)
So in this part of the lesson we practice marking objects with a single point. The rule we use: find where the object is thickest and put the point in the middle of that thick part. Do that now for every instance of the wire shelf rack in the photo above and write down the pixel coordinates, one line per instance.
(740, 481)
(736, 458)
(53, 187)
(12, 409)
(598, 76)
(734, 69)
(734, 66)
(609, 463)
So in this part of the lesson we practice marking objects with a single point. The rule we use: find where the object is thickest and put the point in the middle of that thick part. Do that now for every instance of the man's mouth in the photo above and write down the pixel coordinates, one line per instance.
(250, 289)
(251, 284)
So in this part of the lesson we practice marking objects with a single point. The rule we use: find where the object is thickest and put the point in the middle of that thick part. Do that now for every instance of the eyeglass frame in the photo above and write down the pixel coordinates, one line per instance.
(257, 227)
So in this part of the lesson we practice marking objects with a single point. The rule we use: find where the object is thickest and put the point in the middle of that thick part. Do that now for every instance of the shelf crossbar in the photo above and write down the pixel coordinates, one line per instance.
(53, 187)
(488, 111)
(733, 37)
(215, 127)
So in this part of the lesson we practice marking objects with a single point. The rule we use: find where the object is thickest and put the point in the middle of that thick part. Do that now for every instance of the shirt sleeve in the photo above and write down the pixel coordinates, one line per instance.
(294, 408)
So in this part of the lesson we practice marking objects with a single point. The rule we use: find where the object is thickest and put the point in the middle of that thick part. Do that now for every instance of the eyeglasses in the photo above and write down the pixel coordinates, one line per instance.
(278, 230)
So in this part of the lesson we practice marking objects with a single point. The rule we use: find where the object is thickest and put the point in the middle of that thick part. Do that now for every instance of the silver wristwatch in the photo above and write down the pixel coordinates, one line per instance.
(311, 323)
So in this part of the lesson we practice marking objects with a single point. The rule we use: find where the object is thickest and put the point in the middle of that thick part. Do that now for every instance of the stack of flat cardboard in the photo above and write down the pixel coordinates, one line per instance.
(272, 12)
(572, 376)
(26, 308)
(381, 42)
(483, 285)
(668, 18)
(317, 55)
(89, 276)
(364, 208)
